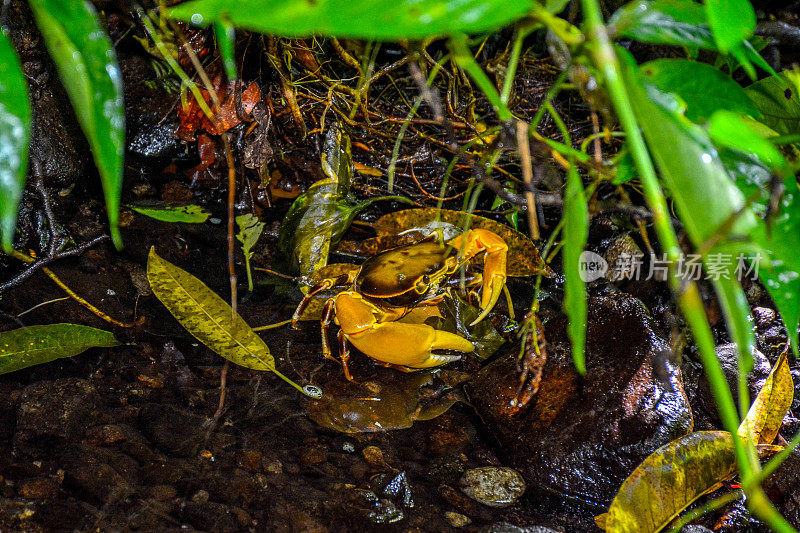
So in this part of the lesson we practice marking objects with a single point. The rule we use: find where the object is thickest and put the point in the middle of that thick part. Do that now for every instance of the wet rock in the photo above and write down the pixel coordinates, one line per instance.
(693, 528)
(781, 488)
(581, 437)
(211, 516)
(457, 519)
(38, 489)
(774, 335)
(52, 413)
(374, 457)
(313, 456)
(178, 432)
(103, 475)
(505, 527)
(162, 493)
(494, 486)
(728, 358)
(763, 317)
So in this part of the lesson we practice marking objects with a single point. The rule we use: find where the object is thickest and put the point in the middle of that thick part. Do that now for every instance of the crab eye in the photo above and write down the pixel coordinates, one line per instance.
(426, 279)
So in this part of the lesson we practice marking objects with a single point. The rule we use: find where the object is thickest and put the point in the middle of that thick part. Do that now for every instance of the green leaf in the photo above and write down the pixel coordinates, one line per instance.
(765, 416)
(670, 479)
(576, 231)
(364, 19)
(778, 100)
(226, 42)
(208, 317)
(34, 345)
(703, 88)
(709, 203)
(87, 63)
(15, 132)
(734, 131)
(671, 22)
(732, 21)
(190, 214)
(250, 229)
(781, 273)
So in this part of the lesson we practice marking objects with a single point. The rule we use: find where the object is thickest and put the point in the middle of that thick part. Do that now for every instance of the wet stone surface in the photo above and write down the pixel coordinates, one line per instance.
(581, 437)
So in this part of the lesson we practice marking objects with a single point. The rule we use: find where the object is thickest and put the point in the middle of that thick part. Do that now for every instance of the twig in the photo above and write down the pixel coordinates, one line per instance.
(41, 263)
(72, 294)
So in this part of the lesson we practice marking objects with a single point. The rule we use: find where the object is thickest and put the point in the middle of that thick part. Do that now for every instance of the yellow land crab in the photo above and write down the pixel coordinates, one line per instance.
(393, 292)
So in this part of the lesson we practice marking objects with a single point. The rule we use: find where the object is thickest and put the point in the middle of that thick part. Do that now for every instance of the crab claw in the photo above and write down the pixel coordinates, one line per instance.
(471, 244)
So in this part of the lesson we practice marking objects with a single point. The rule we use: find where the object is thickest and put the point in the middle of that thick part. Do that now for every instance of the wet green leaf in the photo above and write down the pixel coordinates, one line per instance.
(680, 23)
(740, 133)
(732, 21)
(87, 63)
(316, 221)
(319, 217)
(226, 42)
(702, 87)
(576, 231)
(672, 22)
(250, 229)
(191, 214)
(34, 345)
(670, 479)
(15, 132)
(707, 199)
(365, 19)
(523, 256)
(765, 416)
(781, 273)
(778, 100)
(208, 317)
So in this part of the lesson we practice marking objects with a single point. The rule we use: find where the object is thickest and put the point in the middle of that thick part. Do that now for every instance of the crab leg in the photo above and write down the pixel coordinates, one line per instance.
(325, 323)
(471, 244)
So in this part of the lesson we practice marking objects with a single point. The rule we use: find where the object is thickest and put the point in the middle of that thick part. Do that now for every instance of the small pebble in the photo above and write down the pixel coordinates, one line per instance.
(374, 457)
(457, 519)
(313, 456)
(200, 496)
(763, 316)
(38, 489)
(493, 486)
(348, 447)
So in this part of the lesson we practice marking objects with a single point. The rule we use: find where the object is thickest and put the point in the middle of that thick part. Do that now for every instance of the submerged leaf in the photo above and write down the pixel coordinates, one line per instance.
(191, 214)
(523, 256)
(208, 317)
(670, 479)
(15, 132)
(24, 347)
(87, 63)
(393, 401)
(765, 416)
(364, 19)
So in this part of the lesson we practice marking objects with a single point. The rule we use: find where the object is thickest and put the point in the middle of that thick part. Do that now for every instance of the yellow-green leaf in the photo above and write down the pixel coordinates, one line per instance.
(670, 479)
(191, 214)
(208, 317)
(24, 347)
(765, 416)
